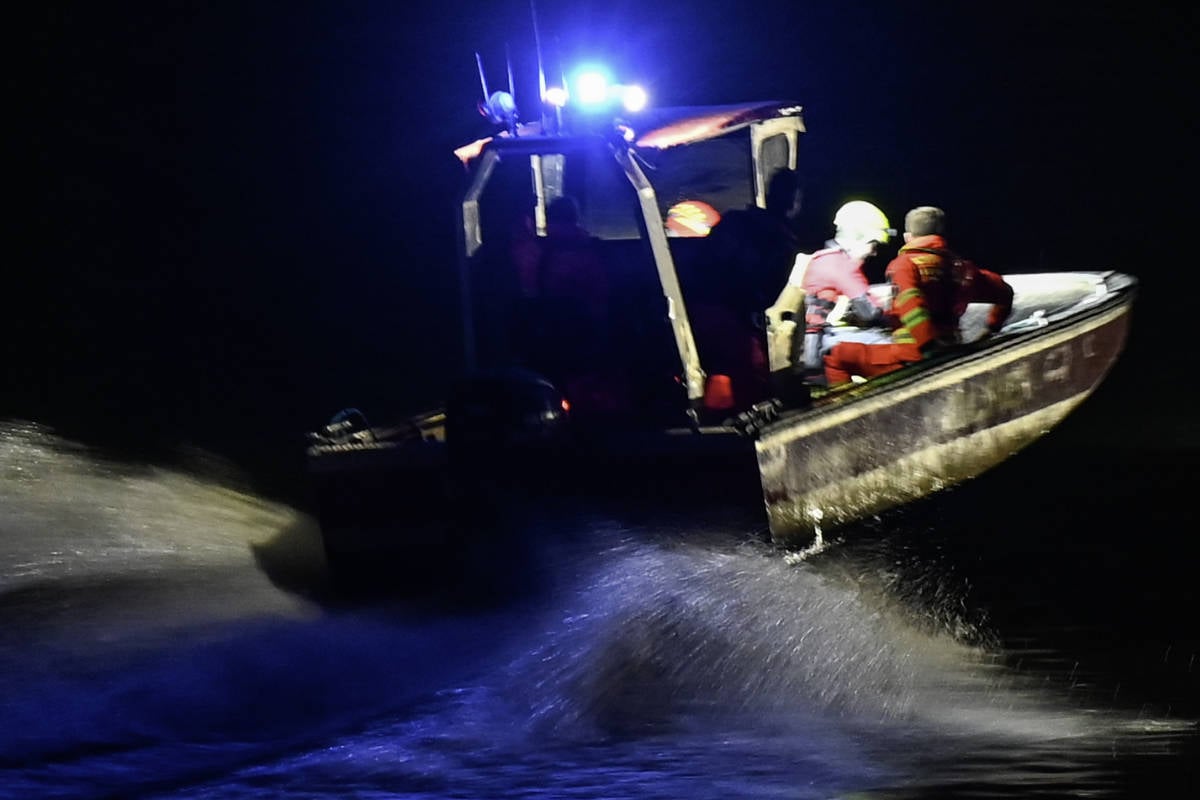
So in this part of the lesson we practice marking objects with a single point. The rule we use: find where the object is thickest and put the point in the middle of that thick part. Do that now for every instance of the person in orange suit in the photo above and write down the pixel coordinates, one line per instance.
(931, 288)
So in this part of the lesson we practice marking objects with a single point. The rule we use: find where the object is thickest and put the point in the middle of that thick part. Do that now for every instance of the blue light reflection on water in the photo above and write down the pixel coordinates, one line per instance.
(145, 651)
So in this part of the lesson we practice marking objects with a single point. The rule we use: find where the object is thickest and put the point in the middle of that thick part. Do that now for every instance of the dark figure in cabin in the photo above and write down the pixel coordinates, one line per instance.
(751, 250)
(571, 272)
(563, 322)
(748, 254)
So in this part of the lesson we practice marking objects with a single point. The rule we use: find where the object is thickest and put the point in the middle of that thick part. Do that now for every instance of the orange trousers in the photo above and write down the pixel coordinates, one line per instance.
(867, 360)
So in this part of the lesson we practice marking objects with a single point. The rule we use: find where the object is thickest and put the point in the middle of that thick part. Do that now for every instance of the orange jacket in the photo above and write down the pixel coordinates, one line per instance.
(932, 287)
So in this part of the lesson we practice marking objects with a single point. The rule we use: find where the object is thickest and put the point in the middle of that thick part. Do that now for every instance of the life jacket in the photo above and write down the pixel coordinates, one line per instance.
(943, 278)
(817, 305)
(820, 303)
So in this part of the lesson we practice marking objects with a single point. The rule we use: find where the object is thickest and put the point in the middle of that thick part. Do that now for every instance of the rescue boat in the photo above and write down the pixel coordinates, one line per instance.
(807, 463)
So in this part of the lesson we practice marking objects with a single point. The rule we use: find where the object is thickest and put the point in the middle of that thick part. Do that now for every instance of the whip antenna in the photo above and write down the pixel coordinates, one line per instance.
(537, 44)
(482, 78)
(508, 63)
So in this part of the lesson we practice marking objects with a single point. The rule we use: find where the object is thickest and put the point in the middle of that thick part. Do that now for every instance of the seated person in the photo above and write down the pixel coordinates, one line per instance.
(932, 287)
(836, 295)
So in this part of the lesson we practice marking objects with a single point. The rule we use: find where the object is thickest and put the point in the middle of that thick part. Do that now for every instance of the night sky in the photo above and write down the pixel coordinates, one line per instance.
(235, 218)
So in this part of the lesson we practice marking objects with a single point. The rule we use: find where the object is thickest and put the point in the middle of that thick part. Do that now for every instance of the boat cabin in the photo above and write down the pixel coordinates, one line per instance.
(646, 191)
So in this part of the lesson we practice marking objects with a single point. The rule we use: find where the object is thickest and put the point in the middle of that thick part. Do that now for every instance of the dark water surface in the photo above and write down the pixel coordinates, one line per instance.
(164, 633)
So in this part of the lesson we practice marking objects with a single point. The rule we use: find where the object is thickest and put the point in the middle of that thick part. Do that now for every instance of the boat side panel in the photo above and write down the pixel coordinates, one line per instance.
(407, 514)
(363, 493)
(844, 464)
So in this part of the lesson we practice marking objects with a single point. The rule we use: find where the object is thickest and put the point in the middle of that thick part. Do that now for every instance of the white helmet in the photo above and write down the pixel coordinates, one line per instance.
(861, 221)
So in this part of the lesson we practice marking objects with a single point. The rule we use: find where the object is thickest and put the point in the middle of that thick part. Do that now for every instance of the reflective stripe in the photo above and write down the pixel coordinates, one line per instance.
(915, 317)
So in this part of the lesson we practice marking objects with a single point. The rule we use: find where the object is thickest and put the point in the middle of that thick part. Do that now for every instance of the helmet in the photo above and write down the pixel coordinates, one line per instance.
(863, 221)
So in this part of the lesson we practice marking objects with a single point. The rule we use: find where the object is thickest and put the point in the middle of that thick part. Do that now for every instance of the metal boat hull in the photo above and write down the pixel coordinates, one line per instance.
(839, 460)
(413, 518)
(922, 432)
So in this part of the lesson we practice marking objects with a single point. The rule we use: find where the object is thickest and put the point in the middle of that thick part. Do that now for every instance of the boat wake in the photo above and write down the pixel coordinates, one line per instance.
(662, 633)
(664, 666)
(151, 634)
(162, 631)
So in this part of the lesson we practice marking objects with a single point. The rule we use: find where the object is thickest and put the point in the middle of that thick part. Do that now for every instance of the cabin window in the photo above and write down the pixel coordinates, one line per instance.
(608, 204)
(719, 172)
(772, 157)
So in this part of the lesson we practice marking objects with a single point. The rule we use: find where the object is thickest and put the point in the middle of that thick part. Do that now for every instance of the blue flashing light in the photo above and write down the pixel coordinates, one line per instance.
(592, 88)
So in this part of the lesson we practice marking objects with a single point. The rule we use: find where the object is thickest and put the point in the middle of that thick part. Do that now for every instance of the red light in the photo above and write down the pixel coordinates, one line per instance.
(566, 405)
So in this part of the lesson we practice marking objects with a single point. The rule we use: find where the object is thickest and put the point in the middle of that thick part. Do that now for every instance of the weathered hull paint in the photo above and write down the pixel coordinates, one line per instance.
(825, 468)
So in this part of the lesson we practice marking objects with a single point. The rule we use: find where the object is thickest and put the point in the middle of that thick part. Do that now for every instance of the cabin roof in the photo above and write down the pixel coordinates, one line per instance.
(658, 128)
(669, 127)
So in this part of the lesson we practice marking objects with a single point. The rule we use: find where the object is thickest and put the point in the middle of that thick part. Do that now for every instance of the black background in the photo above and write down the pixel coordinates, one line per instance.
(229, 220)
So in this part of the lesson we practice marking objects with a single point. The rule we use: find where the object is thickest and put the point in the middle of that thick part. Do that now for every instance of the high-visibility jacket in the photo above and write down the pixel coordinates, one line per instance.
(931, 290)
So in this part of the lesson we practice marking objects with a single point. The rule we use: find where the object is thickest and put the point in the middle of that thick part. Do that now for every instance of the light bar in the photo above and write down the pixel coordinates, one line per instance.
(592, 87)
(556, 96)
(633, 98)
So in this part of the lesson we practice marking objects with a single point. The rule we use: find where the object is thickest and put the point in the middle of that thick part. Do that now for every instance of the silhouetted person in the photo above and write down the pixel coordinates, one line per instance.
(750, 251)
(565, 317)
(747, 257)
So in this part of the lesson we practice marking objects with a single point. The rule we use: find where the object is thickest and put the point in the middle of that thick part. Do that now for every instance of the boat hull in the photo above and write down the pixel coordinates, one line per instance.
(924, 432)
(417, 517)
(803, 471)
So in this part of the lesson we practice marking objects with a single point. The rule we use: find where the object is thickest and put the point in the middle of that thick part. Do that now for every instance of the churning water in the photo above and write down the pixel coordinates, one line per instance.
(165, 633)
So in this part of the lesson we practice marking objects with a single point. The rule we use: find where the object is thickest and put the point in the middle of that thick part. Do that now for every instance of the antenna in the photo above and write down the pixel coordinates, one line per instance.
(508, 62)
(511, 116)
(499, 107)
(562, 71)
(482, 79)
(537, 43)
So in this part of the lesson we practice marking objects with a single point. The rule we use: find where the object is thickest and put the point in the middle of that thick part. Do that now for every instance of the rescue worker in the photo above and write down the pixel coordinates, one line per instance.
(570, 270)
(750, 250)
(931, 288)
(834, 289)
(565, 319)
(745, 257)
